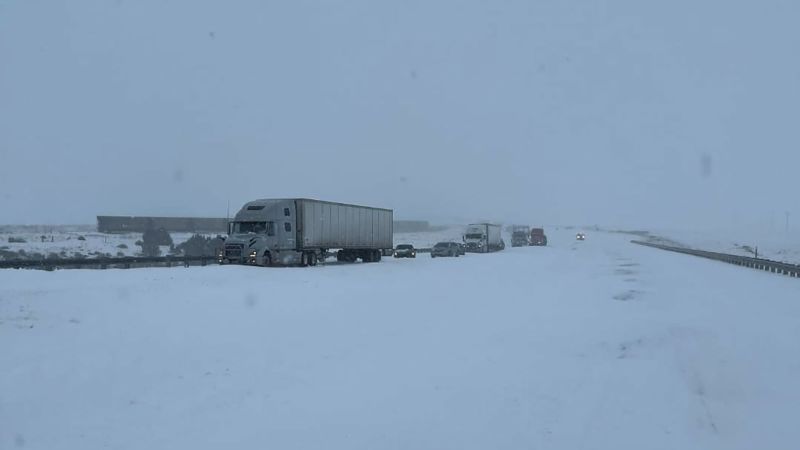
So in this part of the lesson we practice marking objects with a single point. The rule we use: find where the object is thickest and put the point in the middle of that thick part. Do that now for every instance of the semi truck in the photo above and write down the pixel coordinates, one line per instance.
(538, 237)
(301, 231)
(520, 236)
(483, 238)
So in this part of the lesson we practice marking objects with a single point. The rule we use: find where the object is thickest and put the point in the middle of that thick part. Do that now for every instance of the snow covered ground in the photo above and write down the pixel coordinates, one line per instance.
(67, 243)
(778, 246)
(596, 345)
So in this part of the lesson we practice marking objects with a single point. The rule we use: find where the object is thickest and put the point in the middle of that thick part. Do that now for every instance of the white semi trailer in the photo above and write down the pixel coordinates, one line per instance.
(483, 238)
(300, 231)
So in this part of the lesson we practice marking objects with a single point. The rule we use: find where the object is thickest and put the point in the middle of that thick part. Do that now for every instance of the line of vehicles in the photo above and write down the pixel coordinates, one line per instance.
(301, 231)
(523, 235)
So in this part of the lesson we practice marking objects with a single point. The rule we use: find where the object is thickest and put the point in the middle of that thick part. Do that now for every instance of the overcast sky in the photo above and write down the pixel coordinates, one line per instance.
(629, 113)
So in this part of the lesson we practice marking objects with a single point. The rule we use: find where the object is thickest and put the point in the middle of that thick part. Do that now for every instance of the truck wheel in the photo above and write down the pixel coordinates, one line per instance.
(378, 256)
(311, 259)
(267, 260)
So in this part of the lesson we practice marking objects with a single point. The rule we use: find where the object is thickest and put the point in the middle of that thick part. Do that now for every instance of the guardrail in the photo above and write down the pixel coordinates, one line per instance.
(104, 263)
(792, 270)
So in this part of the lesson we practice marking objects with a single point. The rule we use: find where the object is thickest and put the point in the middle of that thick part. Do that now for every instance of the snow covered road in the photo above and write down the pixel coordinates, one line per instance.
(597, 345)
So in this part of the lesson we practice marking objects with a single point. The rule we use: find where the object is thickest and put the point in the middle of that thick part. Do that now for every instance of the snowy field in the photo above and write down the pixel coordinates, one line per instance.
(580, 345)
(67, 243)
(777, 245)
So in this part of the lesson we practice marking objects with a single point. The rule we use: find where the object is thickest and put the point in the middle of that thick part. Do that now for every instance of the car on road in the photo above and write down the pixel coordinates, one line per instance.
(462, 249)
(445, 249)
(405, 251)
(580, 237)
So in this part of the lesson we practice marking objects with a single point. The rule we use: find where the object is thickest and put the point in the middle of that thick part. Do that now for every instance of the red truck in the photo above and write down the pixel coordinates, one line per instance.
(538, 237)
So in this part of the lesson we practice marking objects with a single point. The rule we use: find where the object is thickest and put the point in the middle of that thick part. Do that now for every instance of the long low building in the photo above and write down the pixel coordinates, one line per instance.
(132, 224)
(138, 224)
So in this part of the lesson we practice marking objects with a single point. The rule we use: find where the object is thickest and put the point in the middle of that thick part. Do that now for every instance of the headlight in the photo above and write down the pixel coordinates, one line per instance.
(253, 254)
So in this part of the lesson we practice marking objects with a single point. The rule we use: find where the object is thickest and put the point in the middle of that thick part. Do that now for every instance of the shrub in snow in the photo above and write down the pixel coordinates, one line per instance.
(122, 246)
(16, 240)
(152, 239)
(156, 237)
(81, 238)
(199, 245)
(5, 254)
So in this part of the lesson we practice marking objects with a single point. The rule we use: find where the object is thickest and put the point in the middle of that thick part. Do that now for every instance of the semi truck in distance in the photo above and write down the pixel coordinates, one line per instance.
(301, 231)
(520, 236)
(483, 238)
(538, 237)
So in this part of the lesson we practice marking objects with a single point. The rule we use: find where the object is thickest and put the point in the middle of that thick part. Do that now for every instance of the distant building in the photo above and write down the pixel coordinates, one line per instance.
(130, 224)
(138, 224)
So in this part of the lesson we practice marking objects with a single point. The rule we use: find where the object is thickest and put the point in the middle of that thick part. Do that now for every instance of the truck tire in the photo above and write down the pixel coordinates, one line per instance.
(378, 256)
(311, 259)
(267, 259)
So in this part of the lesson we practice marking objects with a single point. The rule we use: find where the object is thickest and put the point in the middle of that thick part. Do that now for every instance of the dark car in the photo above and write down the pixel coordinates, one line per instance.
(580, 237)
(445, 249)
(462, 249)
(405, 251)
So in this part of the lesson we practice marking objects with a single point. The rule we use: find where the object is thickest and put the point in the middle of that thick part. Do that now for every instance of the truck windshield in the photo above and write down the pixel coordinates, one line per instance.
(252, 227)
(474, 236)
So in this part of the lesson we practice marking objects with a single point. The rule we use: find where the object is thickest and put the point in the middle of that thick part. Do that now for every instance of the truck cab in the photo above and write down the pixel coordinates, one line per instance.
(483, 238)
(262, 232)
(538, 237)
(520, 236)
(475, 239)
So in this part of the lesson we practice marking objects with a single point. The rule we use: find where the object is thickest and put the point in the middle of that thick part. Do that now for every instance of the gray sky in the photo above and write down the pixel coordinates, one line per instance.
(630, 113)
